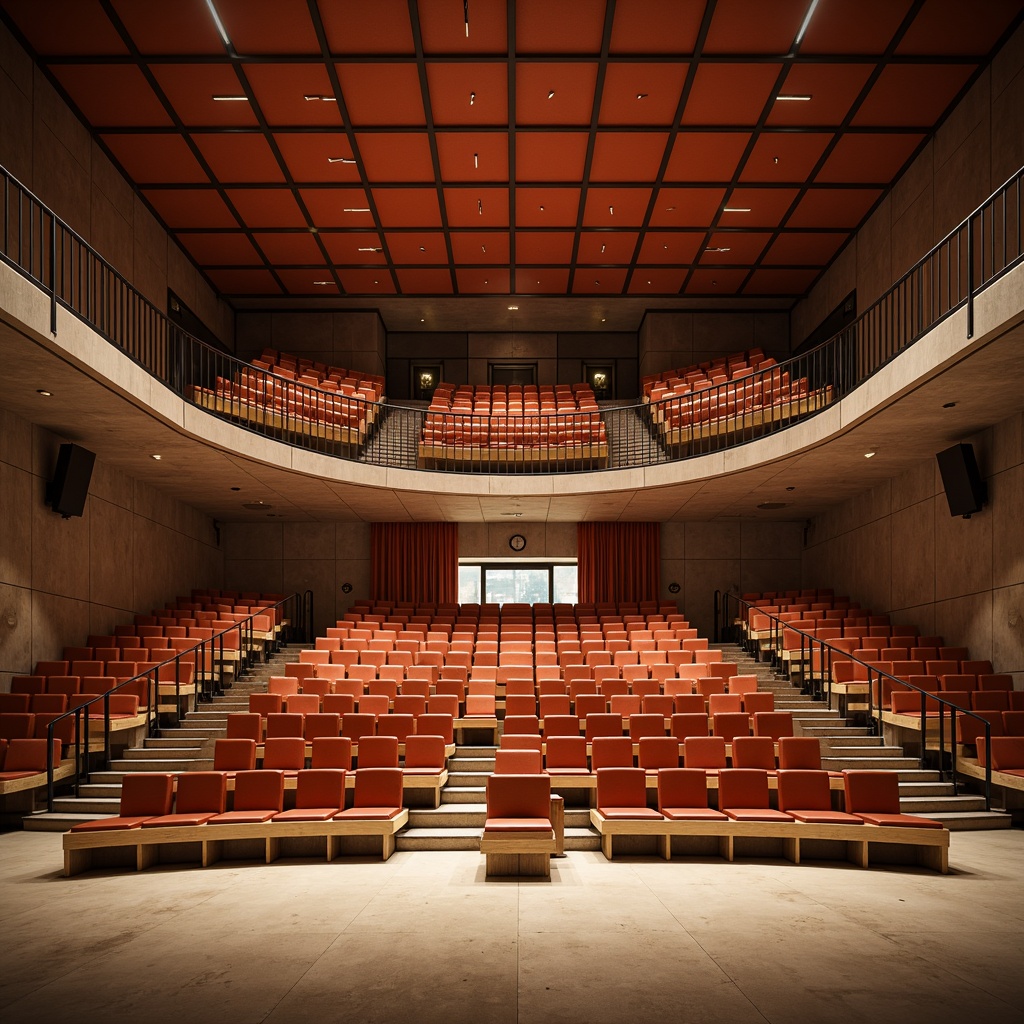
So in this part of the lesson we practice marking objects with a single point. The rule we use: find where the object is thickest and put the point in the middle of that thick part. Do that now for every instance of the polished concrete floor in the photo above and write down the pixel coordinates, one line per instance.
(423, 938)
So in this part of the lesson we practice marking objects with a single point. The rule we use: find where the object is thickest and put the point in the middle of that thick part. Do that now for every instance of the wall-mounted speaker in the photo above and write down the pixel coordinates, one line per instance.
(69, 487)
(965, 490)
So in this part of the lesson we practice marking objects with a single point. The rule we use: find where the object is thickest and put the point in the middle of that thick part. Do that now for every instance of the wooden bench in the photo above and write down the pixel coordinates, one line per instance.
(931, 845)
(523, 828)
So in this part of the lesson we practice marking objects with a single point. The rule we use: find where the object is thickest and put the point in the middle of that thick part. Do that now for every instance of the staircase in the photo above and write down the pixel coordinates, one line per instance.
(844, 746)
(394, 439)
(631, 441)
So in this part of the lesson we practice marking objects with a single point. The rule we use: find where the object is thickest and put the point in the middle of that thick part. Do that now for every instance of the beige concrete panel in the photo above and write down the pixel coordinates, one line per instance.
(966, 622)
(842, 277)
(534, 346)
(60, 552)
(922, 616)
(965, 118)
(962, 181)
(1007, 446)
(110, 484)
(494, 346)
(252, 540)
(356, 571)
(60, 180)
(874, 260)
(673, 541)
(913, 555)
(812, 309)
(150, 276)
(15, 630)
(1008, 62)
(107, 180)
(16, 490)
(15, 441)
(963, 552)
(213, 312)
(1006, 503)
(1008, 131)
(722, 332)
(309, 540)
(102, 619)
(16, 109)
(712, 540)
(153, 504)
(872, 578)
(472, 540)
(761, 574)
(158, 570)
(498, 535)
(771, 333)
(913, 232)
(110, 555)
(560, 540)
(150, 239)
(673, 570)
(703, 578)
(352, 541)
(57, 622)
(913, 486)
(916, 181)
(253, 333)
(181, 275)
(302, 333)
(16, 64)
(771, 540)
(1008, 629)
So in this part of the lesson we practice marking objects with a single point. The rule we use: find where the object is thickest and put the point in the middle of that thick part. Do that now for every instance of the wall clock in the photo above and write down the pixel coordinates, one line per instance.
(517, 542)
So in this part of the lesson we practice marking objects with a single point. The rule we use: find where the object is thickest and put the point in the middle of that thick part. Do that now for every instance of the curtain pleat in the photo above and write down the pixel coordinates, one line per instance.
(619, 562)
(416, 562)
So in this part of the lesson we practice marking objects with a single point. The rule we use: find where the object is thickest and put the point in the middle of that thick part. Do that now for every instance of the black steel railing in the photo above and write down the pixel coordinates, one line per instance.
(969, 259)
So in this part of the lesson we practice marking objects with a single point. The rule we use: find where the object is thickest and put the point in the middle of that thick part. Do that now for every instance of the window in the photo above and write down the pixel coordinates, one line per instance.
(518, 583)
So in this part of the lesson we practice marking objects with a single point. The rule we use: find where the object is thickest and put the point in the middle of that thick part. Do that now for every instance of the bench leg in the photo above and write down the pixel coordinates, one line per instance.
(529, 865)
(857, 852)
(273, 848)
(665, 842)
(725, 847)
(146, 855)
(791, 849)
(606, 846)
(76, 861)
(388, 844)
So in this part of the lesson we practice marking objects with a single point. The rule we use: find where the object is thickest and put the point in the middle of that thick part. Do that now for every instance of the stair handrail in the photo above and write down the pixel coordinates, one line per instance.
(808, 642)
(151, 677)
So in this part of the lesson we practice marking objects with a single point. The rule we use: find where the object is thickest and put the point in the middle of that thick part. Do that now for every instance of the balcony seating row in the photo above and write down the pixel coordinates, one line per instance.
(669, 383)
(320, 375)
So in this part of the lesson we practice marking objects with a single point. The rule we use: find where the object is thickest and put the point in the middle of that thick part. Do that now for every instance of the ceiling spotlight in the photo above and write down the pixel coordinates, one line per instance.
(423, 248)
(603, 247)
(664, 246)
(670, 208)
(341, 160)
(794, 98)
(355, 209)
(322, 99)
(551, 94)
(641, 95)
(513, 308)
(604, 319)
(869, 455)
(542, 208)
(946, 405)
(44, 392)
(230, 99)
(483, 248)
(423, 319)
(611, 211)
(472, 98)
(736, 209)
(596, 281)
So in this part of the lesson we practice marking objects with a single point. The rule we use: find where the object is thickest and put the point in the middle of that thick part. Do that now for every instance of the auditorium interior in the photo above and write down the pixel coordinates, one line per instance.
(598, 343)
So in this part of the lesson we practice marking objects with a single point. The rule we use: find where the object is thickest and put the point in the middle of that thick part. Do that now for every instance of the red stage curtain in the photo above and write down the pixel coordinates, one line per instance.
(619, 562)
(416, 562)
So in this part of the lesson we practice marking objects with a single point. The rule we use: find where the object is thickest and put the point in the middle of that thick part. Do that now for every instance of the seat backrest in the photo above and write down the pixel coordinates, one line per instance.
(753, 752)
(514, 742)
(424, 751)
(517, 704)
(553, 704)
(285, 724)
(284, 685)
(332, 752)
(377, 752)
(566, 752)
(587, 704)
(742, 787)
(302, 704)
(378, 787)
(758, 700)
(519, 796)
(871, 791)
(611, 752)
(437, 724)
(621, 787)
(266, 704)
(742, 684)
(517, 762)
(357, 725)
(1007, 753)
(146, 794)
(325, 723)
(704, 752)
(689, 724)
(260, 790)
(773, 723)
(729, 725)
(287, 753)
(561, 725)
(720, 703)
(320, 787)
(27, 754)
(522, 725)
(234, 755)
(245, 725)
(682, 787)
(201, 792)
(603, 725)
(804, 790)
(658, 752)
(796, 752)
(641, 725)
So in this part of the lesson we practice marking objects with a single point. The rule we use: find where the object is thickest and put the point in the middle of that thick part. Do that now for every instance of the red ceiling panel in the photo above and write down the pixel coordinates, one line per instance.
(468, 94)
(473, 156)
(349, 248)
(416, 247)
(784, 156)
(551, 156)
(191, 89)
(483, 280)
(686, 207)
(599, 281)
(719, 281)
(854, 26)
(678, 247)
(66, 27)
(780, 282)
(268, 26)
(656, 281)
(542, 281)
(914, 95)
(221, 249)
(560, 94)
(367, 282)
(627, 156)
(280, 91)
(656, 26)
(767, 207)
(598, 247)
(267, 207)
(550, 247)
(308, 282)
(407, 207)
(735, 247)
(318, 156)
(114, 96)
(798, 247)
(191, 208)
(832, 88)
(950, 27)
(294, 248)
(730, 94)
(705, 156)
(396, 156)
(547, 207)
(237, 157)
(443, 27)
(545, 27)
(753, 26)
(354, 26)
(244, 282)
(616, 207)
(382, 94)
(642, 94)
(480, 246)
(156, 158)
(833, 207)
(868, 157)
(183, 27)
(476, 207)
(425, 282)
(338, 207)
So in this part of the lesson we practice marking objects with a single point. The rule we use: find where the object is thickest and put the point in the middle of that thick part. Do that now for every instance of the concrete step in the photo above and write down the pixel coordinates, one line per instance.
(108, 790)
(453, 815)
(972, 821)
(932, 788)
(175, 742)
(101, 807)
(152, 753)
(930, 805)
(470, 780)
(180, 764)
(43, 821)
(462, 794)
(469, 839)
(461, 765)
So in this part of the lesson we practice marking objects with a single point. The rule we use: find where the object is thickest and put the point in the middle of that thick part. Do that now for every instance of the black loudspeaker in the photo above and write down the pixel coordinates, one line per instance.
(69, 488)
(965, 489)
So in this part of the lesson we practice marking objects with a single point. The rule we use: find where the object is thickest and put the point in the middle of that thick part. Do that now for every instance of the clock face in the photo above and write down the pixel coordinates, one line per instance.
(517, 542)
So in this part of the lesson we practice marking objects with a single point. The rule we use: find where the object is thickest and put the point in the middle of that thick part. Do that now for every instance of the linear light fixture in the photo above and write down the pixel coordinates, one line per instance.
(323, 99)
(806, 22)
(230, 99)
(465, 14)
(341, 160)
(551, 94)
(321, 283)
(355, 209)
(472, 98)
(794, 98)
(718, 249)
(370, 248)
(220, 24)
(736, 209)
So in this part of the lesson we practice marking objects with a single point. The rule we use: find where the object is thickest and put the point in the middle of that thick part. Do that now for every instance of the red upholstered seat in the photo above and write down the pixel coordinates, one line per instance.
(874, 796)
(201, 795)
(144, 795)
(424, 755)
(331, 752)
(518, 803)
(743, 795)
(706, 752)
(377, 796)
(517, 762)
(754, 752)
(319, 795)
(658, 752)
(234, 755)
(245, 725)
(806, 796)
(683, 795)
(622, 794)
(377, 752)
(566, 755)
(259, 795)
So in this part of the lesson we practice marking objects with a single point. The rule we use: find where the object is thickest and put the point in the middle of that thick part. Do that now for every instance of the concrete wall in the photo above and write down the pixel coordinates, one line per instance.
(46, 147)
(896, 549)
(975, 151)
(133, 550)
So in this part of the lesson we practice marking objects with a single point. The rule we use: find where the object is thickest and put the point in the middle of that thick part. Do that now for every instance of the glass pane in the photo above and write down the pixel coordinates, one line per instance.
(566, 585)
(522, 586)
(469, 584)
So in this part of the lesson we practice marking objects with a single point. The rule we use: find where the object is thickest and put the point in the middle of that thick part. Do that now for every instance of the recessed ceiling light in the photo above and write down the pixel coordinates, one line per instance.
(369, 248)
(44, 392)
(423, 319)
(611, 210)
(157, 457)
(236, 488)
(551, 94)
(603, 248)
(641, 95)
(476, 159)
(513, 308)
(736, 209)
(472, 98)
(257, 506)
(604, 319)
(723, 248)
(794, 98)
(230, 99)
(670, 208)
(220, 24)
(480, 207)
(869, 455)
(483, 248)
(355, 209)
